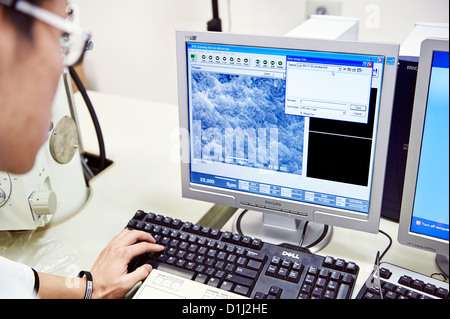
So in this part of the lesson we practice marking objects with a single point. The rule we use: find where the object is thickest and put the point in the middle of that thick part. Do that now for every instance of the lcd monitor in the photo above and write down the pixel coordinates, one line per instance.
(293, 131)
(424, 215)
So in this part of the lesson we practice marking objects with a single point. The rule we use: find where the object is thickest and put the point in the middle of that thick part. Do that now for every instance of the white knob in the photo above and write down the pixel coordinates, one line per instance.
(43, 203)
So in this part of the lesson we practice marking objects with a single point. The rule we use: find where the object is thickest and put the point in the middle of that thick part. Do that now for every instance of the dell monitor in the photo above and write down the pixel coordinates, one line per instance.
(294, 131)
(424, 215)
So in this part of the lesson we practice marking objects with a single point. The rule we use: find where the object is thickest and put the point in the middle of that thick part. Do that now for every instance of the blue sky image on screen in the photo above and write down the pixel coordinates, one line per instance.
(431, 206)
(240, 120)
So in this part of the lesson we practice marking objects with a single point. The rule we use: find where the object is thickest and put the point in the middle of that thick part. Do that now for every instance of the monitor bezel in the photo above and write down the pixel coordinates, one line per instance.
(405, 236)
(368, 222)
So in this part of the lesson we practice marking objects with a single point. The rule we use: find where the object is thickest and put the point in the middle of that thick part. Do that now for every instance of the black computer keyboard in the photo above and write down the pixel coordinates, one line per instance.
(400, 283)
(243, 265)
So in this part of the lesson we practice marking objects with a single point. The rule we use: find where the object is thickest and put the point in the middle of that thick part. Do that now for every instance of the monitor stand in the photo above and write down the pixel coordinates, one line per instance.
(442, 263)
(279, 229)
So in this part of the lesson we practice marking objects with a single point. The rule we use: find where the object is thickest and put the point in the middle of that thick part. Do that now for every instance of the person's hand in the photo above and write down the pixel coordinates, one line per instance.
(109, 272)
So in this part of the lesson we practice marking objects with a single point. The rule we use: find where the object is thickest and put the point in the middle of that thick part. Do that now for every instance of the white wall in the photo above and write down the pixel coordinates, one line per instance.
(134, 40)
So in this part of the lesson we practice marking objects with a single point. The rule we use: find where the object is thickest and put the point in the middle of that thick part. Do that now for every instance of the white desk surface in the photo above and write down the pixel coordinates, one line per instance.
(141, 138)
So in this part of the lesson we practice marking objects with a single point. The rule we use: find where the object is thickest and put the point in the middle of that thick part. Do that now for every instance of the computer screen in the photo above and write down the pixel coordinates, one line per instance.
(286, 126)
(424, 218)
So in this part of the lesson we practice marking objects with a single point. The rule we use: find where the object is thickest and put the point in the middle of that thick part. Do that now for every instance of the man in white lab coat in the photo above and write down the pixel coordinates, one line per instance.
(33, 34)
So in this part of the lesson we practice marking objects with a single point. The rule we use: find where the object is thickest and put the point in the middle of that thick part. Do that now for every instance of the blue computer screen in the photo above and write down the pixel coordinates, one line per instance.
(291, 124)
(431, 204)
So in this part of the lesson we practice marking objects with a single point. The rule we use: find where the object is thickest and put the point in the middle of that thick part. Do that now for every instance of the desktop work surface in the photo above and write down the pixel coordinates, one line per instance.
(142, 140)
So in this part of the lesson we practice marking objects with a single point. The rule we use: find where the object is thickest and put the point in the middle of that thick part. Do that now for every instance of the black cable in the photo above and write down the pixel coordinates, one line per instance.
(238, 222)
(87, 100)
(215, 24)
(433, 275)
(305, 226)
(321, 237)
(388, 247)
(215, 7)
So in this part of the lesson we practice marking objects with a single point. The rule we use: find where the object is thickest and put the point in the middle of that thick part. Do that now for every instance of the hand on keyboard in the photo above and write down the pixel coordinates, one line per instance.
(240, 264)
(110, 277)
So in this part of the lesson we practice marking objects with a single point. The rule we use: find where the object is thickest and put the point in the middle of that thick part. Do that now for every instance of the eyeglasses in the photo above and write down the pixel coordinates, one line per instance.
(74, 41)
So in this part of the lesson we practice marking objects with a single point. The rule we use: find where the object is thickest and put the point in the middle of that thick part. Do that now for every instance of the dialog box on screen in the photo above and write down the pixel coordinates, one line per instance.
(329, 89)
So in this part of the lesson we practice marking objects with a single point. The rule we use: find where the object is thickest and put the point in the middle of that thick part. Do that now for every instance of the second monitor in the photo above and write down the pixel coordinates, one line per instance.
(295, 130)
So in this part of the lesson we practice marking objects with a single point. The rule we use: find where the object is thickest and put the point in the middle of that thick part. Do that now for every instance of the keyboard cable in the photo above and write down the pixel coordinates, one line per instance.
(389, 246)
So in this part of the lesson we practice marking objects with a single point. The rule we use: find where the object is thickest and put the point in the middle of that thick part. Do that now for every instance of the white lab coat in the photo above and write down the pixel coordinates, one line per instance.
(16, 280)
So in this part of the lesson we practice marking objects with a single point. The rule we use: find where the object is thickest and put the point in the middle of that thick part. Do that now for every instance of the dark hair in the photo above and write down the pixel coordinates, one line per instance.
(23, 22)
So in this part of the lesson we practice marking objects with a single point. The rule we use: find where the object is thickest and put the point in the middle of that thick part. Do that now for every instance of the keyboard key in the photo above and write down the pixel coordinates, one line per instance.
(282, 273)
(275, 291)
(385, 273)
(176, 223)
(351, 268)
(201, 278)
(324, 273)
(132, 223)
(214, 282)
(257, 243)
(306, 289)
(215, 233)
(298, 266)
(406, 281)
(313, 270)
(442, 293)
(236, 279)
(321, 283)
(328, 262)
(418, 284)
(339, 264)
(158, 219)
(286, 263)
(255, 265)
(167, 221)
(242, 261)
(149, 217)
(347, 279)
(205, 231)
(271, 270)
(236, 239)
(329, 294)
(242, 290)
(260, 295)
(246, 241)
(369, 295)
(294, 276)
(220, 274)
(343, 292)
(335, 276)
(429, 289)
(389, 286)
(139, 215)
(226, 237)
(332, 285)
(275, 260)
(317, 292)
(196, 228)
(401, 291)
(246, 272)
(413, 295)
(226, 286)
(390, 295)
(256, 255)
